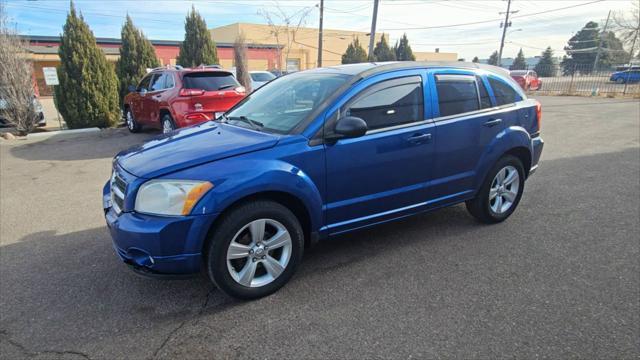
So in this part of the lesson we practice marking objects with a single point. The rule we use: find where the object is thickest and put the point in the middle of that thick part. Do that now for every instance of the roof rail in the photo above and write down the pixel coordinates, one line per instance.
(212, 66)
(168, 66)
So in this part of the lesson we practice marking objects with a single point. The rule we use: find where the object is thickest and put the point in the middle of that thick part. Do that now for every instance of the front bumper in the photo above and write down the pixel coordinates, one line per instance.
(159, 244)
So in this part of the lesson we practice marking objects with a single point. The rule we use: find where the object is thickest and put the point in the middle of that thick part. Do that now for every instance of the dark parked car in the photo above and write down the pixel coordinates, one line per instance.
(173, 97)
(319, 153)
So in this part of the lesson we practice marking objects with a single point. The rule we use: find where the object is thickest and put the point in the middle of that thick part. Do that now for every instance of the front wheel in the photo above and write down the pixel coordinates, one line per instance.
(500, 193)
(254, 250)
(619, 81)
(132, 124)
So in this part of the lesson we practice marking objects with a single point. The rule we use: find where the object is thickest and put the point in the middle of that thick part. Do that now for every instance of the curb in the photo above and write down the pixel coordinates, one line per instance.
(61, 133)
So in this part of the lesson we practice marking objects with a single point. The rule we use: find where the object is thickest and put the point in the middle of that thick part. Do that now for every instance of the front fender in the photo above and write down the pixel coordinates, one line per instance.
(508, 139)
(235, 179)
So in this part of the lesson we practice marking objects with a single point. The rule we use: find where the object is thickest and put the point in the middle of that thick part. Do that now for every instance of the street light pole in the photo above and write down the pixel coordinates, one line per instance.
(372, 37)
(504, 31)
(320, 35)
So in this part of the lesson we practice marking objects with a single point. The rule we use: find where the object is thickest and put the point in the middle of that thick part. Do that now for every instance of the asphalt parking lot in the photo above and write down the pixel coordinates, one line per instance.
(559, 279)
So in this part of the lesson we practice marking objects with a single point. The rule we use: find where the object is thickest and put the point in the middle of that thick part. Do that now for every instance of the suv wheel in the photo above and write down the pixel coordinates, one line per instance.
(255, 250)
(167, 124)
(620, 80)
(132, 124)
(500, 193)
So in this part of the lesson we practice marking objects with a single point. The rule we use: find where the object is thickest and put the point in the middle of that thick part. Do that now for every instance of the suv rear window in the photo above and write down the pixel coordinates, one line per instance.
(210, 81)
(457, 94)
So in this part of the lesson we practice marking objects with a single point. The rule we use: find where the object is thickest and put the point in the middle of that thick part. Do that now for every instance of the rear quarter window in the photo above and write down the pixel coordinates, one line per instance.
(210, 81)
(503, 92)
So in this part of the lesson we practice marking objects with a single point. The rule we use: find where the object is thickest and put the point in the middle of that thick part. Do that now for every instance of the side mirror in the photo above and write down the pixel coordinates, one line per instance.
(132, 88)
(349, 127)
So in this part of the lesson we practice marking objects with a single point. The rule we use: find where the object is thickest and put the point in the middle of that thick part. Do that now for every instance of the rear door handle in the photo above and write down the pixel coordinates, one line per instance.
(492, 122)
(419, 138)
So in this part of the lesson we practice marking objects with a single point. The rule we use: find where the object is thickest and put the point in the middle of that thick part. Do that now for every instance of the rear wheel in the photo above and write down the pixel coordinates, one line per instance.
(255, 250)
(500, 193)
(167, 124)
(132, 124)
(620, 81)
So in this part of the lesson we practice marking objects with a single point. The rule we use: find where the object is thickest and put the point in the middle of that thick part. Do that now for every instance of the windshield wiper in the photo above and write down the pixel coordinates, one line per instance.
(256, 125)
(226, 86)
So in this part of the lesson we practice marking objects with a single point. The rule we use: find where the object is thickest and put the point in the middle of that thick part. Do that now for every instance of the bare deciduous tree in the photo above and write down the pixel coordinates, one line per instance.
(241, 62)
(627, 25)
(284, 27)
(16, 84)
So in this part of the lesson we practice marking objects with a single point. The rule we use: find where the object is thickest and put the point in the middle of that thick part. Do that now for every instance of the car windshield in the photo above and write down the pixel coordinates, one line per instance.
(282, 104)
(519, 72)
(264, 77)
(210, 81)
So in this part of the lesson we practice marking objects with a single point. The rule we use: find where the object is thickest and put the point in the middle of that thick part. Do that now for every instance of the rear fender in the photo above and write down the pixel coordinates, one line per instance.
(508, 139)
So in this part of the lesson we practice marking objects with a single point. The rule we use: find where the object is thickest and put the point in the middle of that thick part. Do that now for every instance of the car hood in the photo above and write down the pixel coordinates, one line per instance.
(192, 146)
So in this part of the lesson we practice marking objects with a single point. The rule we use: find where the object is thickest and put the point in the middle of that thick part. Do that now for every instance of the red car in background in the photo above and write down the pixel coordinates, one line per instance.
(174, 97)
(527, 79)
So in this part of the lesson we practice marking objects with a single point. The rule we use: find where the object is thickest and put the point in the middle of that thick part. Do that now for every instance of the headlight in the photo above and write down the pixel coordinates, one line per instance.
(170, 197)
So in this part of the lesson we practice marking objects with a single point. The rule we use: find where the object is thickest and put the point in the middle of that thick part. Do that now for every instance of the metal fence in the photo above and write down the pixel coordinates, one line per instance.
(581, 79)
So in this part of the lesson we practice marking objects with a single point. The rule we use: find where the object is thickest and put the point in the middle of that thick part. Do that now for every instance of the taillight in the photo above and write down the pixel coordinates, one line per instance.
(539, 114)
(191, 92)
(197, 117)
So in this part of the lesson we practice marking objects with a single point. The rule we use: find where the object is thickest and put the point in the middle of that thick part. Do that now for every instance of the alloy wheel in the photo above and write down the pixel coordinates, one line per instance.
(504, 189)
(130, 123)
(167, 126)
(259, 253)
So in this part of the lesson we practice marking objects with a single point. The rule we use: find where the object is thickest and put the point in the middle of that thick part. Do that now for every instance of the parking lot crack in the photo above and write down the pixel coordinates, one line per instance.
(4, 336)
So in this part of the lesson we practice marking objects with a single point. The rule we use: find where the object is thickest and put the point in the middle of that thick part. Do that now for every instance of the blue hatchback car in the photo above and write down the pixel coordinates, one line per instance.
(626, 76)
(319, 153)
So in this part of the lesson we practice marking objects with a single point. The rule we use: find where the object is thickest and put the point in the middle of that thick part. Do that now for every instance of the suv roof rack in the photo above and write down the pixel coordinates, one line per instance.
(168, 66)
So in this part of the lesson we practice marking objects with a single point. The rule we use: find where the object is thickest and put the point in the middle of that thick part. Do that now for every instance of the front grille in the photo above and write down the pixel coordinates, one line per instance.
(118, 191)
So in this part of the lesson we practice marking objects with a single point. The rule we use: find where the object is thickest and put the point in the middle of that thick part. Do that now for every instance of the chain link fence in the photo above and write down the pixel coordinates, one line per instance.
(582, 79)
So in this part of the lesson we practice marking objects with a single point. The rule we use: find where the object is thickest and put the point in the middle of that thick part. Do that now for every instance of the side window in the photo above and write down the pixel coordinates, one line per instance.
(157, 83)
(457, 94)
(144, 83)
(504, 93)
(169, 82)
(485, 101)
(390, 103)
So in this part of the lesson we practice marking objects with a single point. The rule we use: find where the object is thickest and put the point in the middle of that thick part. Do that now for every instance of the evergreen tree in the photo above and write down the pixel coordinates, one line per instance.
(355, 53)
(581, 50)
(136, 55)
(403, 50)
(198, 47)
(520, 63)
(546, 65)
(382, 51)
(88, 92)
(475, 59)
(493, 59)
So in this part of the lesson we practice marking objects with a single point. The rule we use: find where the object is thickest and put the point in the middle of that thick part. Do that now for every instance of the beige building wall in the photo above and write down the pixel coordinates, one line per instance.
(435, 56)
(303, 49)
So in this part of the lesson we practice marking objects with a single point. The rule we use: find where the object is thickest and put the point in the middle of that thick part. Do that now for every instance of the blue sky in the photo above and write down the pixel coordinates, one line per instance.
(164, 19)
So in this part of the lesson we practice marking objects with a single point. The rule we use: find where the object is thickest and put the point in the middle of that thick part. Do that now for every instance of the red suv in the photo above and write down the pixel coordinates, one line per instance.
(174, 97)
(527, 79)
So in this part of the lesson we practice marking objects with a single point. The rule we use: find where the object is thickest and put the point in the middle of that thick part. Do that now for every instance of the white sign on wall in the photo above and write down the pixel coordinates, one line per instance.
(50, 76)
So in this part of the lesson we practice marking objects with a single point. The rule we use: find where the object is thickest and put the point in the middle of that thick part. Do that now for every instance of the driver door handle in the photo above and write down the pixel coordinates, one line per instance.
(419, 138)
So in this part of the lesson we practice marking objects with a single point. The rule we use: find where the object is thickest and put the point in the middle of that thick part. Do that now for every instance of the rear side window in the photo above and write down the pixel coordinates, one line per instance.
(210, 81)
(457, 94)
(485, 101)
(390, 103)
(169, 82)
(504, 93)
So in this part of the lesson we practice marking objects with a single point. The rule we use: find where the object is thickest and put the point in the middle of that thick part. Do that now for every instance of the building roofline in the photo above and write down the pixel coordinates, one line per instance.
(116, 41)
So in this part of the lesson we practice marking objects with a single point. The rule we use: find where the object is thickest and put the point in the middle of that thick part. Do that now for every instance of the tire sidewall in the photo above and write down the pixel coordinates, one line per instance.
(216, 255)
(133, 127)
(165, 118)
(484, 192)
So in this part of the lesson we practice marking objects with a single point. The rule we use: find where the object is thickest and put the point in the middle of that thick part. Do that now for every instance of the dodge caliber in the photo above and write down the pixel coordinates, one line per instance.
(315, 154)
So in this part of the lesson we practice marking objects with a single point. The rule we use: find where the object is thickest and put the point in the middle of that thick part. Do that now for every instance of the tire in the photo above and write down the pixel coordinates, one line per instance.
(167, 124)
(131, 122)
(226, 263)
(503, 204)
(620, 81)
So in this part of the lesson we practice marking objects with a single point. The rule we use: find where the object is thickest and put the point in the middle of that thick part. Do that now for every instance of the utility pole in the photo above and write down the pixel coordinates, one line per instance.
(504, 31)
(604, 31)
(372, 36)
(320, 35)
